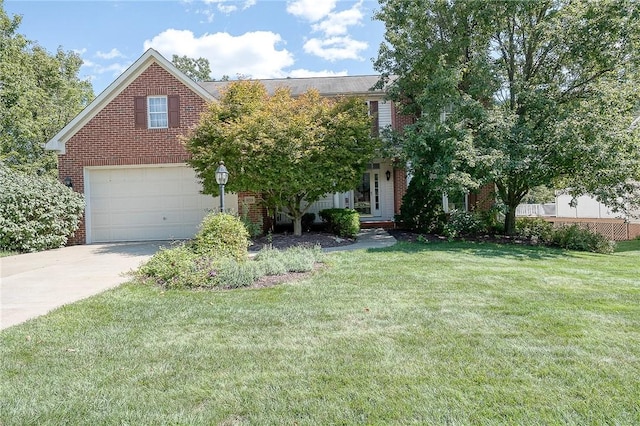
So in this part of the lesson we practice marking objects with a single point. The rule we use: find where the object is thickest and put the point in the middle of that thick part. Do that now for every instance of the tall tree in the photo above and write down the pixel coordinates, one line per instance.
(518, 93)
(39, 94)
(292, 150)
(196, 69)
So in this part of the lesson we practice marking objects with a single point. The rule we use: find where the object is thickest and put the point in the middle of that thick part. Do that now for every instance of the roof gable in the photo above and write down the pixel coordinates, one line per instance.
(57, 143)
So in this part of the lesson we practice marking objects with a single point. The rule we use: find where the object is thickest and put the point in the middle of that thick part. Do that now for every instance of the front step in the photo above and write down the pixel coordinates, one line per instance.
(384, 224)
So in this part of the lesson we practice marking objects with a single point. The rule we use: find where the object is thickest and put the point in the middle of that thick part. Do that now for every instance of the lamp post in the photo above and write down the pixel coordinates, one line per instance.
(222, 176)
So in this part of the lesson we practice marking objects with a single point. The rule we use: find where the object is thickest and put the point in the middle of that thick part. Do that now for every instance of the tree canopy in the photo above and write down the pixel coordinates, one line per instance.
(292, 150)
(518, 93)
(196, 69)
(39, 94)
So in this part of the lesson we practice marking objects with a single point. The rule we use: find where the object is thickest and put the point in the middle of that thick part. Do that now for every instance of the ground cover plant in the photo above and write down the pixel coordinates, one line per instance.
(419, 333)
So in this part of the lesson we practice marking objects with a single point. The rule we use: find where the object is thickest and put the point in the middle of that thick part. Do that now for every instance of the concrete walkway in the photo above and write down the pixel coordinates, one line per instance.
(35, 283)
(367, 238)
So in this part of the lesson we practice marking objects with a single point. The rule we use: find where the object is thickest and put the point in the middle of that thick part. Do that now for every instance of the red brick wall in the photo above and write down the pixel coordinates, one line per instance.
(111, 139)
(399, 188)
(250, 203)
(483, 198)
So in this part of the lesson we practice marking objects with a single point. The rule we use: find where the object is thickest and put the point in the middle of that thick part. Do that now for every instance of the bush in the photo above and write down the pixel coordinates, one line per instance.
(36, 212)
(463, 223)
(535, 228)
(421, 209)
(576, 238)
(179, 268)
(222, 235)
(341, 222)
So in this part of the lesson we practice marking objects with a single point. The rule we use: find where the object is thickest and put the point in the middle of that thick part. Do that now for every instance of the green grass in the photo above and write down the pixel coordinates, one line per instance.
(5, 253)
(451, 333)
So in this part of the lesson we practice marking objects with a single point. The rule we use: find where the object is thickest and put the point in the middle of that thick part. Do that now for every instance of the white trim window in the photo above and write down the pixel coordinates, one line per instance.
(158, 112)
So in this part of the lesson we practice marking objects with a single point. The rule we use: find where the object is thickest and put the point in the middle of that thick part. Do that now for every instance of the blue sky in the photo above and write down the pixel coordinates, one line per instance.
(254, 38)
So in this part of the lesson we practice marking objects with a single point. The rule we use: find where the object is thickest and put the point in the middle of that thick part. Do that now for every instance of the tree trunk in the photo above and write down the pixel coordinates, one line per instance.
(297, 226)
(510, 220)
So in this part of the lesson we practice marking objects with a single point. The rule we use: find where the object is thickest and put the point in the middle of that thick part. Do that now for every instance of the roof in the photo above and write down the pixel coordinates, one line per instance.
(358, 85)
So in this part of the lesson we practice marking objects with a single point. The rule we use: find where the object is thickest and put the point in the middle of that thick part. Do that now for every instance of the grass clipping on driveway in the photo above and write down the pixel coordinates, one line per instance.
(455, 333)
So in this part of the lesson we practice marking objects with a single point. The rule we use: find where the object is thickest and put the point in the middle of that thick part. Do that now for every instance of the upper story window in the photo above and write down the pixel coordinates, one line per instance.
(158, 111)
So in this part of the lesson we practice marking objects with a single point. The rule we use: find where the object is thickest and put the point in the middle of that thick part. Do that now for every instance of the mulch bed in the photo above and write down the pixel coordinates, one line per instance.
(285, 240)
(307, 239)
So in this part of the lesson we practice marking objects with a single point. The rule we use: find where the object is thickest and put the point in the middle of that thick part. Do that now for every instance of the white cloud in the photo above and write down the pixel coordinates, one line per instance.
(312, 10)
(338, 23)
(225, 7)
(301, 73)
(335, 48)
(254, 54)
(113, 53)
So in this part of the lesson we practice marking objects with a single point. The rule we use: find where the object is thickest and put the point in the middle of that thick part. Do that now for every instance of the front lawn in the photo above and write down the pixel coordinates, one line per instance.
(438, 333)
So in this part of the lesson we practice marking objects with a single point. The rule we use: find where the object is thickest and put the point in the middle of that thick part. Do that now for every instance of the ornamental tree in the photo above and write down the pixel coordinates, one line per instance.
(292, 150)
(518, 93)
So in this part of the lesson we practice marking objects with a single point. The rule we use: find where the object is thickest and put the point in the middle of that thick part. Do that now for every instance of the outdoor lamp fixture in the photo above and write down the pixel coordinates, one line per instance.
(388, 174)
(68, 182)
(222, 176)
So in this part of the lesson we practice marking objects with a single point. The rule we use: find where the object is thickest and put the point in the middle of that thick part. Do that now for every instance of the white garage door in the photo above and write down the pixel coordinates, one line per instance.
(146, 203)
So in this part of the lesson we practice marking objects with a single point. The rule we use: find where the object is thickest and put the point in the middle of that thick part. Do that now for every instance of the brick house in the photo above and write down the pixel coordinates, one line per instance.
(123, 152)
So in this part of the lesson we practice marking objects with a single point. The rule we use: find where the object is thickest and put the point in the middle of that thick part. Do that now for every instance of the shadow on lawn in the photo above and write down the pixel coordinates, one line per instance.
(482, 249)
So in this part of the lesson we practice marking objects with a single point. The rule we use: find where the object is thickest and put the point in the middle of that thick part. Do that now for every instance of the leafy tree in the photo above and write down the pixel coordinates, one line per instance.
(518, 93)
(291, 150)
(196, 69)
(39, 94)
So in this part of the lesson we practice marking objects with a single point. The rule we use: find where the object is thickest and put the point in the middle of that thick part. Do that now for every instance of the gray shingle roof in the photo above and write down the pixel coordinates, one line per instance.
(359, 85)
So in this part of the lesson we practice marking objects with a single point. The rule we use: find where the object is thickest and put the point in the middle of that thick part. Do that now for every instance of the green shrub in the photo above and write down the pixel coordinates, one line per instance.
(341, 222)
(463, 223)
(535, 228)
(177, 268)
(574, 237)
(421, 209)
(222, 235)
(36, 212)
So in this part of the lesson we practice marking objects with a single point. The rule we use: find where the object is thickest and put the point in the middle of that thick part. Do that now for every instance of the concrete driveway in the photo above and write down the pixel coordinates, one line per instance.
(32, 284)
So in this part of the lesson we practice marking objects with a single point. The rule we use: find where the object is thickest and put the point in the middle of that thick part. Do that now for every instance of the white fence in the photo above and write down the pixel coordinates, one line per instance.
(535, 210)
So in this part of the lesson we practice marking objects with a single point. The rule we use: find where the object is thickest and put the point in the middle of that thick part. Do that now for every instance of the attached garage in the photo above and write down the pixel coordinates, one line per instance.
(135, 203)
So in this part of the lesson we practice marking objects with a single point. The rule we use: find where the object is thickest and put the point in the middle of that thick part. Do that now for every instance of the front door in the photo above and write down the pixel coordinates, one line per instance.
(366, 196)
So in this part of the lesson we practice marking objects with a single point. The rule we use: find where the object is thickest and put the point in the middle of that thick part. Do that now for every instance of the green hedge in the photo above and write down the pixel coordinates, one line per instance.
(342, 222)
(36, 212)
